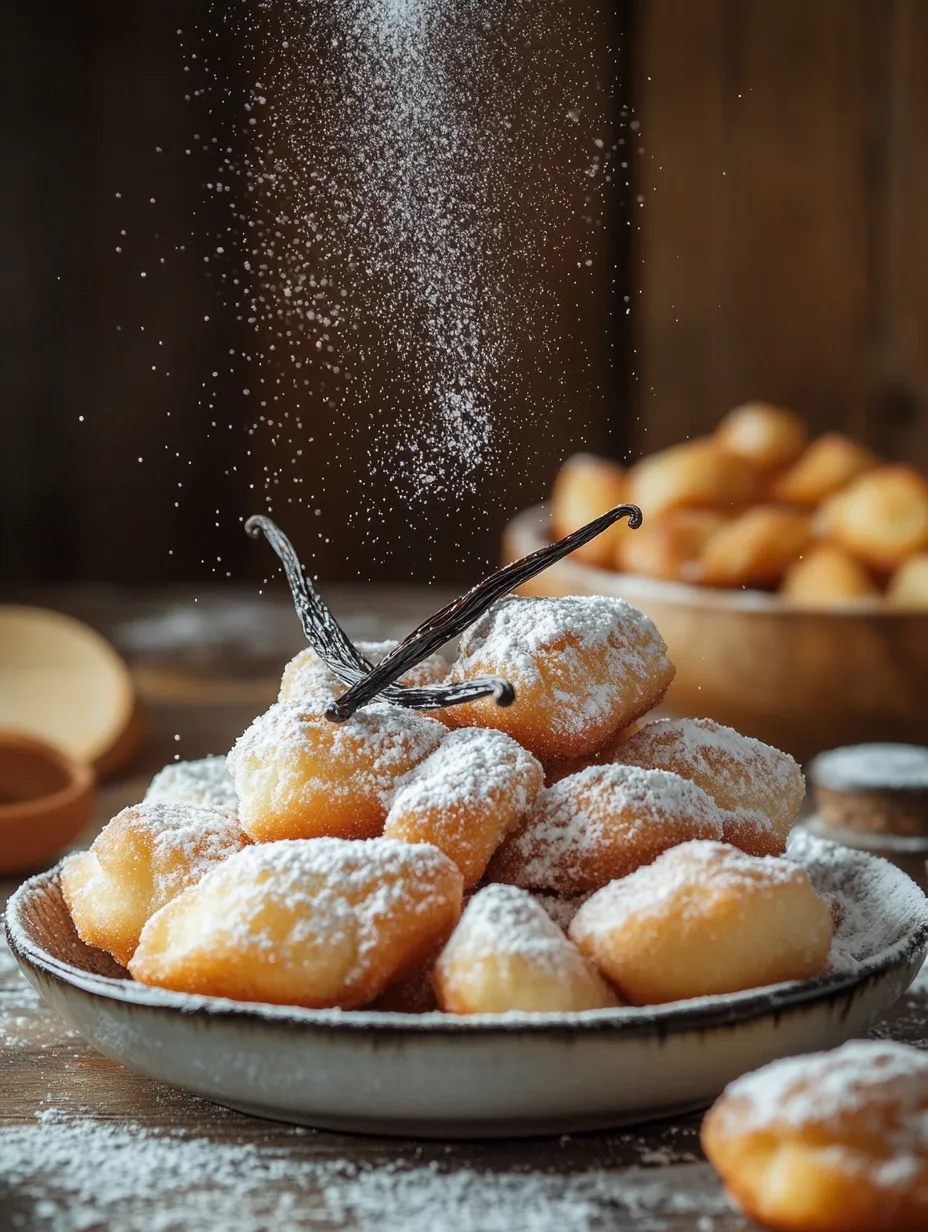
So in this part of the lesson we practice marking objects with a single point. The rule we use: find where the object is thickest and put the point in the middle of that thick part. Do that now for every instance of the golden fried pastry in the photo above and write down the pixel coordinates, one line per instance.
(298, 775)
(141, 860)
(908, 586)
(873, 788)
(827, 575)
(767, 436)
(831, 1142)
(671, 546)
(206, 782)
(585, 487)
(508, 954)
(755, 548)
(830, 463)
(466, 797)
(697, 474)
(307, 677)
(582, 668)
(705, 919)
(601, 824)
(759, 788)
(881, 518)
(320, 922)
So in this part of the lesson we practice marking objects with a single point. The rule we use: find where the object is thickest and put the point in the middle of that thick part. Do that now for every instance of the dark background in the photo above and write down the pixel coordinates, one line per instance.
(781, 252)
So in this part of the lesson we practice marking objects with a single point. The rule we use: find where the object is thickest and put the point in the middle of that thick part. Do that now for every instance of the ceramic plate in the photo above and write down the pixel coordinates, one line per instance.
(436, 1075)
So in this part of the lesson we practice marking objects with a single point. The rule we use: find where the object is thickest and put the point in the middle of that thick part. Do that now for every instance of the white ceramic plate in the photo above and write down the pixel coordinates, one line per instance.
(436, 1075)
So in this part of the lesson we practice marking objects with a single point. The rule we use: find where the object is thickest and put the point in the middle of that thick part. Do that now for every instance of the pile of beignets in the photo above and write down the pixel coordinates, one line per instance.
(758, 505)
(556, 855)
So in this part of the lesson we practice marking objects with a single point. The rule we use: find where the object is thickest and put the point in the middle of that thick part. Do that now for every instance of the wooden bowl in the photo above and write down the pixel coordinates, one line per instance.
(803, 679)
(46, 799)
(62, 682)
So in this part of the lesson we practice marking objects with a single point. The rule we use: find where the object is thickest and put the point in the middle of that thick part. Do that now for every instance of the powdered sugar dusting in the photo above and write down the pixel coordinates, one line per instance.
(872, 767)
(762, 784)
(887, 1083)
(380, 740)
(652, 888)
(185, 841)
(871, 903)
(501, 919)
(92, 1173)
(560, 907)
(521, 638)
(206, 782)
(607, 807)
(334, 892)
(476, 765)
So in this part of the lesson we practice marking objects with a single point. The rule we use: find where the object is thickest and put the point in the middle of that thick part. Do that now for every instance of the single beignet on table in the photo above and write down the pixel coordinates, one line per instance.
(143, 858)
(705, 919)
(831, 1142)
(508, 954)
(313, 922)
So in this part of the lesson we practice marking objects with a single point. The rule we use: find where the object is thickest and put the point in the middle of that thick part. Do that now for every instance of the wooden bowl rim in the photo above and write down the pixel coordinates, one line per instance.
(530, 524)
(80, 779)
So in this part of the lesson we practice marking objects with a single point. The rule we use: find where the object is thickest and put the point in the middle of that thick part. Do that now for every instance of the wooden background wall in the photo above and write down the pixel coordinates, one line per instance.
(784, 243)
(781, 252)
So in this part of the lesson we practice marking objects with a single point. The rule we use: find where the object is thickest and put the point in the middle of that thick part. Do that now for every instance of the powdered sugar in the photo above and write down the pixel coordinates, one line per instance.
(501, 919)
(602, 823)
(885, 1083)
(872, 767)
(697, 864)
(332, 893)
(379, 742)
(872, 902)
(206, 782)
(473, 765)
(184, 841)
(735, 770)
(590, 650)
(91, 1173)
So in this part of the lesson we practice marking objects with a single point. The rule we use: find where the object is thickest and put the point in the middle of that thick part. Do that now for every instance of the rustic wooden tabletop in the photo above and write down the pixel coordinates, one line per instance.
(85, 1144)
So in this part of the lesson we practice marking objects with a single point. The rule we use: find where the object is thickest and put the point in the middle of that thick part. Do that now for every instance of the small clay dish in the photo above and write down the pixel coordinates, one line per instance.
(46, 798)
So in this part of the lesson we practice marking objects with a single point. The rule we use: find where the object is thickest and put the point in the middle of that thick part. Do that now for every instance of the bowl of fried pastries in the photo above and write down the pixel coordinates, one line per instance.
(547, 916)
(789, 575)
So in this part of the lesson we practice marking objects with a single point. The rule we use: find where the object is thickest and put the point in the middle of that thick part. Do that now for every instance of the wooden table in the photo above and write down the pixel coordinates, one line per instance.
(85, 1144)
